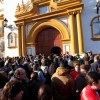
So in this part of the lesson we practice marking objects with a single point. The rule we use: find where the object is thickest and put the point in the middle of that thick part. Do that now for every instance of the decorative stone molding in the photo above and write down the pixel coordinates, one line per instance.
(71, 13)
(78, 11)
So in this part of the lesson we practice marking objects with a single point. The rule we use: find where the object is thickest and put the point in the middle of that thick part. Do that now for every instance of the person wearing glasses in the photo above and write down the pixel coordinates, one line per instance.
(20, 75)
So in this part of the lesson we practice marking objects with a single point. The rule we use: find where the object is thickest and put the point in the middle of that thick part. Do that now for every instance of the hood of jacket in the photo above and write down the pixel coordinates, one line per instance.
(61, 71)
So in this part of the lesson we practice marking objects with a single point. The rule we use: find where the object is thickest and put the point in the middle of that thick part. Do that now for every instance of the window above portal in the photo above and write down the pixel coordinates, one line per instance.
(44, 9)
(95, 28)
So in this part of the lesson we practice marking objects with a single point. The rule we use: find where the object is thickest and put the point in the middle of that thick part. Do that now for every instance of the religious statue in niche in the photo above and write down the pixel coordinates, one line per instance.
(96, 27)
(11, 40)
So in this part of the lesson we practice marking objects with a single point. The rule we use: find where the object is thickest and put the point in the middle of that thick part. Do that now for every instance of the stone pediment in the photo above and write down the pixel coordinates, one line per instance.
(31, 10)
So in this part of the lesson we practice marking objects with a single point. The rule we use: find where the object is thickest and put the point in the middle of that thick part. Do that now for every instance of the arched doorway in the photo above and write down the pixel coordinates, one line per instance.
(47, 39)
(56, 50)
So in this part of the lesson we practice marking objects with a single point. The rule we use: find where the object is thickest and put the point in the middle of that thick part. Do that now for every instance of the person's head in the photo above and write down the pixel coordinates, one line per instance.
(86, 63)
(36, 67)
(52, 68)
(27, 61)
(83, 70)
(32, 58)
(89, 53)
(3, 79)
(20, 73)
(93, 80)
(10, 60)
(71, 58)
(77, 55)
(96, 58)
(55, 60)
(43, 62)
(14, 67)
(76, 66)
(12, 91)
(64, 63)
(45, 93)
(2, 63)
(20, 61)
(34, 76)
(85, 55)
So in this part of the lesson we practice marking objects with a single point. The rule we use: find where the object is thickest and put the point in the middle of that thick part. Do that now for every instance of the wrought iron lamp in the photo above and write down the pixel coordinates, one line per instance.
(98, 5)
(11, 27)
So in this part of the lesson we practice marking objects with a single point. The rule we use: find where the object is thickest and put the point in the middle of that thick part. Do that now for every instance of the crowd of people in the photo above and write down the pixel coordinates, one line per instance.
(53, 77)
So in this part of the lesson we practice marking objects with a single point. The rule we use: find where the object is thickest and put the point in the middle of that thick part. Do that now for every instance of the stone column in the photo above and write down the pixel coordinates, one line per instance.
(23, 40)
(72, 33)
(80, 32)
(19, 41)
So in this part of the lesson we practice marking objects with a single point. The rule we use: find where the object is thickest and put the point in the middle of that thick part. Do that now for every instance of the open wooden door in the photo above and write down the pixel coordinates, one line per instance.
(47, 39)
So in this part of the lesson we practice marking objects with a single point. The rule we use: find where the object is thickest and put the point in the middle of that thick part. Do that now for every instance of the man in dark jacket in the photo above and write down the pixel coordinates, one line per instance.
(80, 81)
(96, 64)
(34, 86)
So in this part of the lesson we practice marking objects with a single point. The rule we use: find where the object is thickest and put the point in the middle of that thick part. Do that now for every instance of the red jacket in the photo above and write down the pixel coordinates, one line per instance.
(89, 94)
(74, 74)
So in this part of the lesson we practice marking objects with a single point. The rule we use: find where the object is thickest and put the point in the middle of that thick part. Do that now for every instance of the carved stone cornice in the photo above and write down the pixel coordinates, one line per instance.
(20, 24)
(74, 12)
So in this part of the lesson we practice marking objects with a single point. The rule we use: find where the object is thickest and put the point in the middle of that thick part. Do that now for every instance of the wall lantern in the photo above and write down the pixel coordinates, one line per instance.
(11, 27)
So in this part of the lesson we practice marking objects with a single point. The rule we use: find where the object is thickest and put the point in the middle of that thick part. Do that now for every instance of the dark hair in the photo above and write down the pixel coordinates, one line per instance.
(52, 69)
(13, 66)
(71, 58)
(2, 63)
(3, 79)
(10, 90)
(62, 64)
(92, 77)
(9, 60)
(90, 52)
(35, 67)
(19, 60)
(45, 93)
(55, 60)
(34, 77)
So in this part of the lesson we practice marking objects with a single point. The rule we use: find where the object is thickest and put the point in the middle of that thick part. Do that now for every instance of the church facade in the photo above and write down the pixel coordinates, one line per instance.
(53, 26)
(2, 47)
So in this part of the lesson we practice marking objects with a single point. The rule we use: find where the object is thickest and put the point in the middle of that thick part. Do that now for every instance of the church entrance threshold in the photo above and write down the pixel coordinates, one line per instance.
(56, 50)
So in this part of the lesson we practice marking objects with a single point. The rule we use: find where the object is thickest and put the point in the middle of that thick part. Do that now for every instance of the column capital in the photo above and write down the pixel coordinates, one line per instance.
(78, 11)
(71, 13)
(20, 24)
